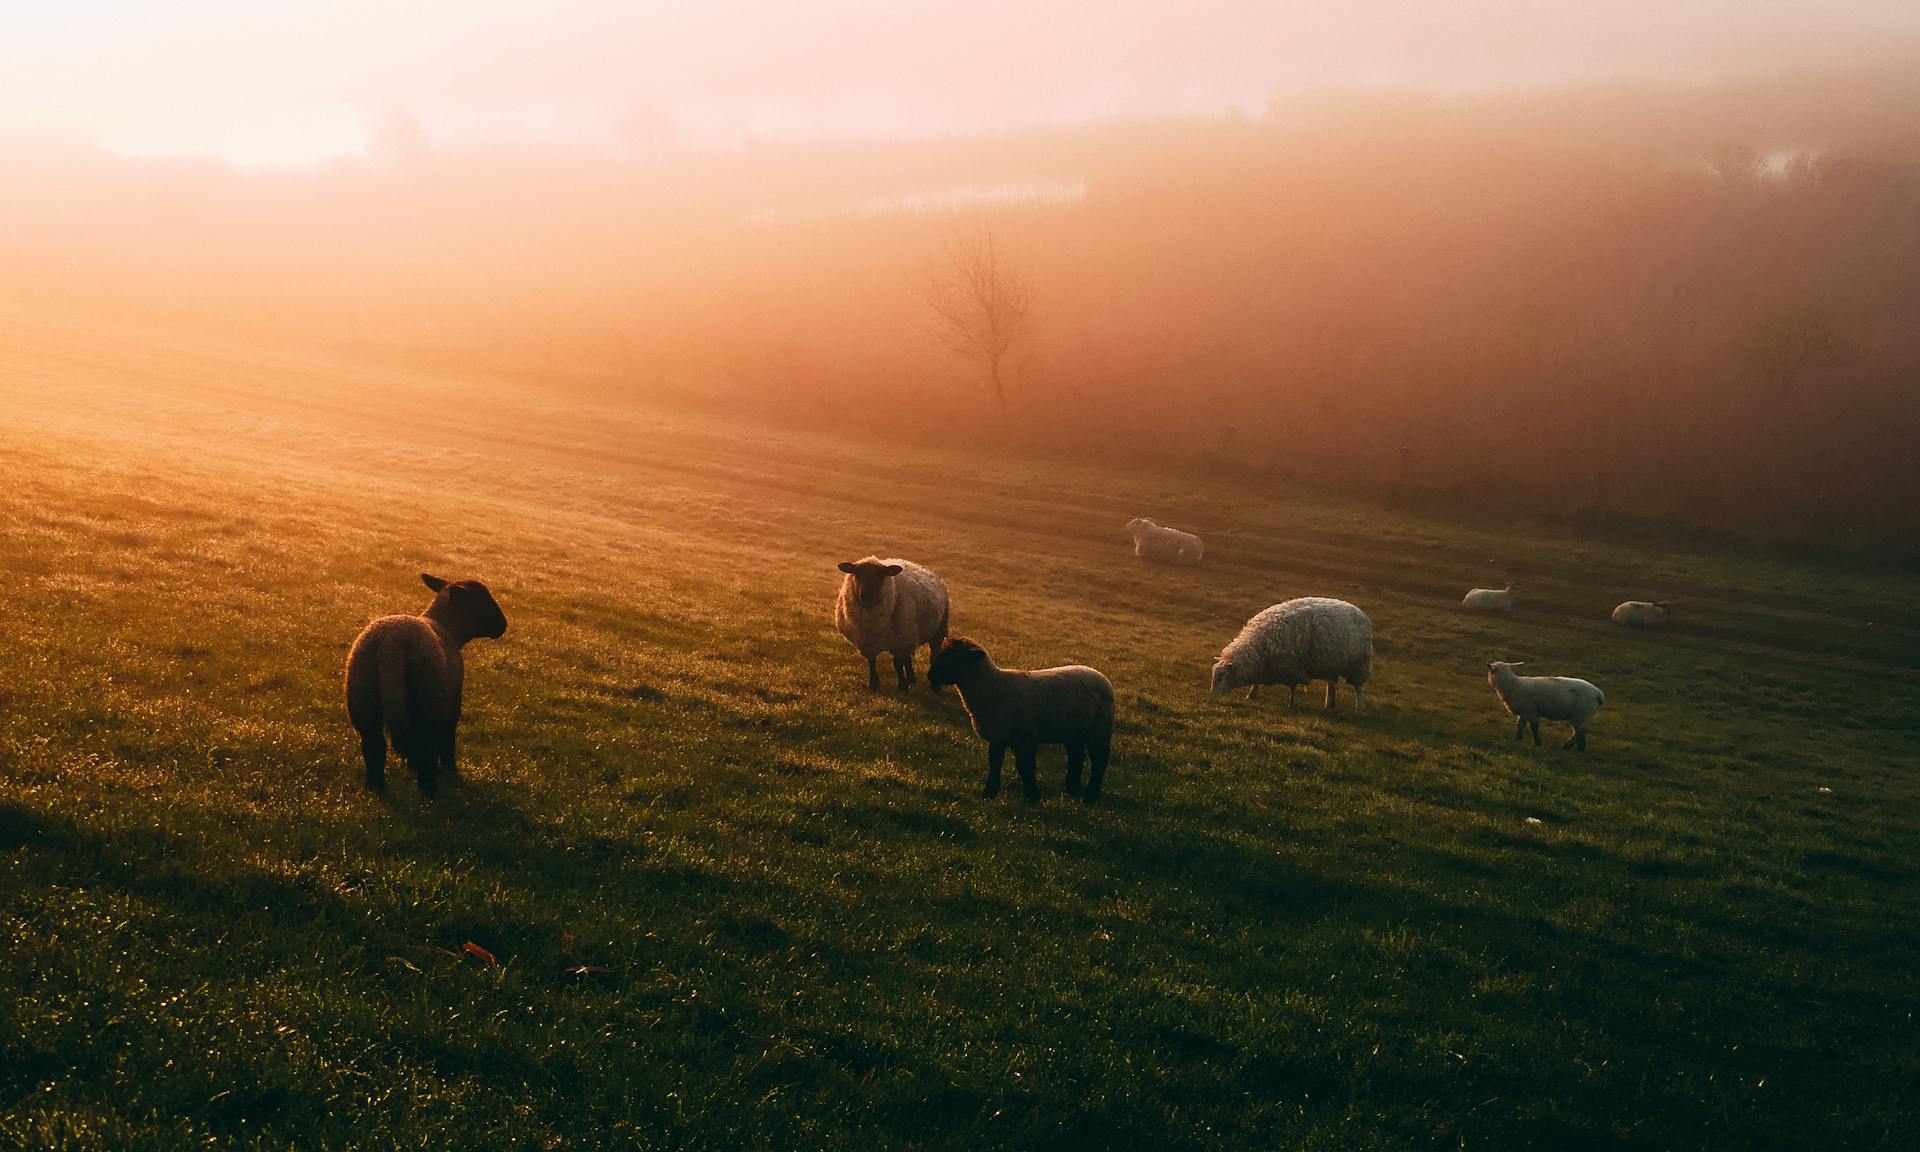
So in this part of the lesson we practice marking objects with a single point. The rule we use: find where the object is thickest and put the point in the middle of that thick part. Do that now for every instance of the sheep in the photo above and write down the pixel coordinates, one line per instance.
(405, 675)
(1152, 542)
(891, 606)
(1072, 706)
(1309, 638)
(1489, 599)
(1532, 699)
(1641, 614)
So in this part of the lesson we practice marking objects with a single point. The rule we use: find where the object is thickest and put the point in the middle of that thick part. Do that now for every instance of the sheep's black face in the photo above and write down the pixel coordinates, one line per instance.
(955, 658)
(466, 605)
(870, 577)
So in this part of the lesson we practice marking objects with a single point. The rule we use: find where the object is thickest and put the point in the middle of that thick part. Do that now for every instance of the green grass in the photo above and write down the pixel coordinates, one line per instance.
(802, 925)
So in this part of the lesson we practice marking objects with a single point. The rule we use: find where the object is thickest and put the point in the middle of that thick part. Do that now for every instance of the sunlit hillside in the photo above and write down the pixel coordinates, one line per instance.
(700, 888)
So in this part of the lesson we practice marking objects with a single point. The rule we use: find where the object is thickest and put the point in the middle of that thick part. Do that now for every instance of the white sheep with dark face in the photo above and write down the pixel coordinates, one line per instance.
(891, 606)
(1309, 638)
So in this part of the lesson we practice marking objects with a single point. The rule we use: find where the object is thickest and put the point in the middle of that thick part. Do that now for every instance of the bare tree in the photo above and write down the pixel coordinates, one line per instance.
(979, 302)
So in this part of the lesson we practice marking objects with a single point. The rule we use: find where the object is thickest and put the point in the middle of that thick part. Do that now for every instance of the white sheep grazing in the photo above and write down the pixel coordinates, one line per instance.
(891, 606)
(1641, 614)
(1311, 638)
(1535, 698)
(1169, 545)
(1489, 599)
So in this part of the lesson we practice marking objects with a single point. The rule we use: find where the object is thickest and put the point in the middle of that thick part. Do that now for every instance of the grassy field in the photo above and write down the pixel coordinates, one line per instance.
(719, 895)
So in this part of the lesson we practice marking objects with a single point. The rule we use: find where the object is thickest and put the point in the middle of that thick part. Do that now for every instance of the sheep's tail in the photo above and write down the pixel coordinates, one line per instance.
(393, 699)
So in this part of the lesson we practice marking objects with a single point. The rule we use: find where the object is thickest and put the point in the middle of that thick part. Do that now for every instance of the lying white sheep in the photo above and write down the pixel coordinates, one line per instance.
(1311, 638)
(1072, 705)
(1169, 545)
(891, 606)
(1641, 614)
(1489, 599)
(1535, 698)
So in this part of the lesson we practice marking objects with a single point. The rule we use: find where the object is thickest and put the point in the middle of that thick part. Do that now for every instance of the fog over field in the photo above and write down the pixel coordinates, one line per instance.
(1651, 261)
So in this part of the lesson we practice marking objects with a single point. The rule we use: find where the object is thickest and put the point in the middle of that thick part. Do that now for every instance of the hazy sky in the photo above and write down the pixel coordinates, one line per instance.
(277, 81)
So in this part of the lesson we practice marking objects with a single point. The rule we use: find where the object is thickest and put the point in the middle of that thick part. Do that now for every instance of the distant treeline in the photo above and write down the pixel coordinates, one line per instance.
(1697, 305)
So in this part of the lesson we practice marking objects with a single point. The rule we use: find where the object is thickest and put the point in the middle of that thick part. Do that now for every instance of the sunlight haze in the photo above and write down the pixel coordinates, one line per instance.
(287, 82)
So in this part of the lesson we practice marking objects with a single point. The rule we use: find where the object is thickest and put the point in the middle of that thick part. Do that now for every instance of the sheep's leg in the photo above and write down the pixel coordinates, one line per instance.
(448, 764)
(1293, 695)
(1534, 723)
(933, 649)
(903, 669)
(1076, 757)
(373, 749)
(1330, 694)
(1359, 698)
(1519, 727)
(1024, 756)
(873, 672)
(996, 755)
(426, 769)
(1578, 739)
(1253, 693)
(1100, 750)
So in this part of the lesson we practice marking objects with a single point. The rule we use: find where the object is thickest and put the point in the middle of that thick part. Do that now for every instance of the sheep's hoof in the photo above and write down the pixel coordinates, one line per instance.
(1090, 798)
(1072, 789)
(990, 791)
(1031, 795)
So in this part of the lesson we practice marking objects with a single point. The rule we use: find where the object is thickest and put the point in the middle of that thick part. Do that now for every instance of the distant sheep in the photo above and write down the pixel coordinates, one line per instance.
(891, 606)
(1641, 614)
(1168, 545)
(405, 675)
(1532, 699)
(1072, 706)
(1489, 600)
(1311, 638)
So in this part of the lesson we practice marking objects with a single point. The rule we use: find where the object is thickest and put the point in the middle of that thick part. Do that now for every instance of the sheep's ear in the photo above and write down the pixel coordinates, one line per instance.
(893, 569)
(433, 583)
(847, 567)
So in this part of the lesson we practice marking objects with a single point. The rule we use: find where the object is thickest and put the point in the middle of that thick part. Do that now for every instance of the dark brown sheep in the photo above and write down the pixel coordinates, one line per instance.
(1072, 706)
(404, 676)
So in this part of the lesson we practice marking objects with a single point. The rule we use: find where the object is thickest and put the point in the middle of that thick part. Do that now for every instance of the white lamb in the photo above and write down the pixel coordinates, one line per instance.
(1535, 698)
(1311, 638)
(891, 606)
(1489, 599)
(1169, 545)
(1641, 614)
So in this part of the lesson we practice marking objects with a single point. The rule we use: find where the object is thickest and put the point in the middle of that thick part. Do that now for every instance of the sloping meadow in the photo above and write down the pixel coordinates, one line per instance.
(700, 888)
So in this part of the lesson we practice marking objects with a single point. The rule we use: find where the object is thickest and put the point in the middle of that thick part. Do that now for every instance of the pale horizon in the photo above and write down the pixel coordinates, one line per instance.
(306, 82)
